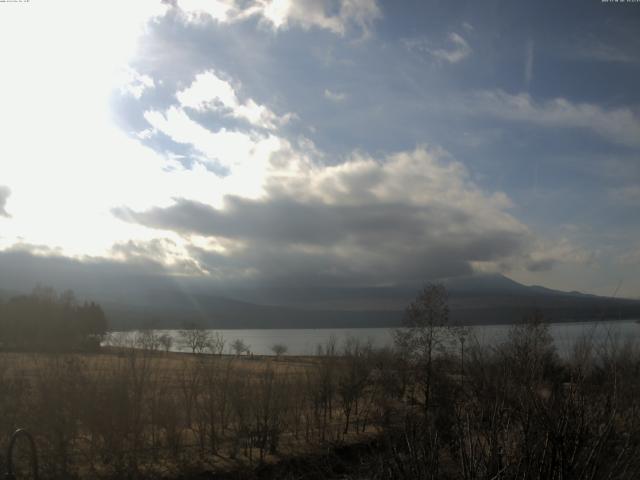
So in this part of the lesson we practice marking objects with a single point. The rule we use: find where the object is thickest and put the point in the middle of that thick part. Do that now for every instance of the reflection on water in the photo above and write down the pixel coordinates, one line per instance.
(305, 341)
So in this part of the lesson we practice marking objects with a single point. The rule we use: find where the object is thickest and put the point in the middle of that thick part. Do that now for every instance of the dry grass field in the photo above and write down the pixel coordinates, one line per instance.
(135, 413)
(510, 411)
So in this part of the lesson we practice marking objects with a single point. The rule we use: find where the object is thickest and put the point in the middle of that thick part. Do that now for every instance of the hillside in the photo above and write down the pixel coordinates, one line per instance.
(133, 300)
(486, 299)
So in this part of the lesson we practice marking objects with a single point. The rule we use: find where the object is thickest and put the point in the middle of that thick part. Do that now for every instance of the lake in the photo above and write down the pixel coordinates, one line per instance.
(305, 341)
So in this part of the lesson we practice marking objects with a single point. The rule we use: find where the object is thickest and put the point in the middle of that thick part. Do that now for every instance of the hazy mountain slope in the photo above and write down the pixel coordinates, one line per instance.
(132, 299)
(219, 312)
(473, 300)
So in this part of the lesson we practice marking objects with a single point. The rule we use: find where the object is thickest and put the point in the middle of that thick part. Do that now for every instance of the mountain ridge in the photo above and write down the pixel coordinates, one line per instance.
(482, 299)
(167, 302)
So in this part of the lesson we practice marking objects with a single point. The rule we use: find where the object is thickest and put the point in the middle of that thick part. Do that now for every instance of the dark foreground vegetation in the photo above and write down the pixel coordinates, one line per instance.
(46, 321)
(436, 406)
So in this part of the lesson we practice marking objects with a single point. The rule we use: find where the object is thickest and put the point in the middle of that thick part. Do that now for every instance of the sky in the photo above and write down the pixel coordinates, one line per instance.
(325, 142)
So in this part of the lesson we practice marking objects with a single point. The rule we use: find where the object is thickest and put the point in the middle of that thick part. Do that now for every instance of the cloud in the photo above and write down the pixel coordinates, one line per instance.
(201, 10)
(160, 251)
(541, 265)
(334, 96)
(542, 254)
(228, 148)
(135, 84)
(630, 257)
(4, 195)
(620, 125)
(244, 151)
(314, 13)
(627, 195)
(209, 92)
(548, 253)
(335, 17)
(24, 266)
(408, 217)
(595, 50)
(241, 155)
(457, 50)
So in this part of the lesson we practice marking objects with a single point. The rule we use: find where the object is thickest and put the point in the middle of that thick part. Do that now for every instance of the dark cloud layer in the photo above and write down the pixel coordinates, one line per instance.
(397, 230)
(287, 221)
(24, 266)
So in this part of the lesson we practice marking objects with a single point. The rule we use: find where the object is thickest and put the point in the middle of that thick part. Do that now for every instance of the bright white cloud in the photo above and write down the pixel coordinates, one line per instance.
(249, 157)
(313, 13)
(133, 83)
(246, 155)
(281, 14)
(209, 92)
(198, 10)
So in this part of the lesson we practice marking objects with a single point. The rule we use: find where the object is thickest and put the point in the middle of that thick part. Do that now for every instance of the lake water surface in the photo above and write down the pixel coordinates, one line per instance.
(305, 341)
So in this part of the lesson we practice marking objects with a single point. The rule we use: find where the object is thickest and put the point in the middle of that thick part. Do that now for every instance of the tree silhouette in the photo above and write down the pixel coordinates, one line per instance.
(44, 320)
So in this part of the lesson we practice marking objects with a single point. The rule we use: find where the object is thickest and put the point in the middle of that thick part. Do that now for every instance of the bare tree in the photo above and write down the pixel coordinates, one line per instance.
(195, 337)
(239, 347)
(329, 348)
(353, 377)
(166, 341)
(529, 349)
(121, 341)
(148, 340)
(279, 349)
(424, 333)
(217, 343)
(269, 394)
